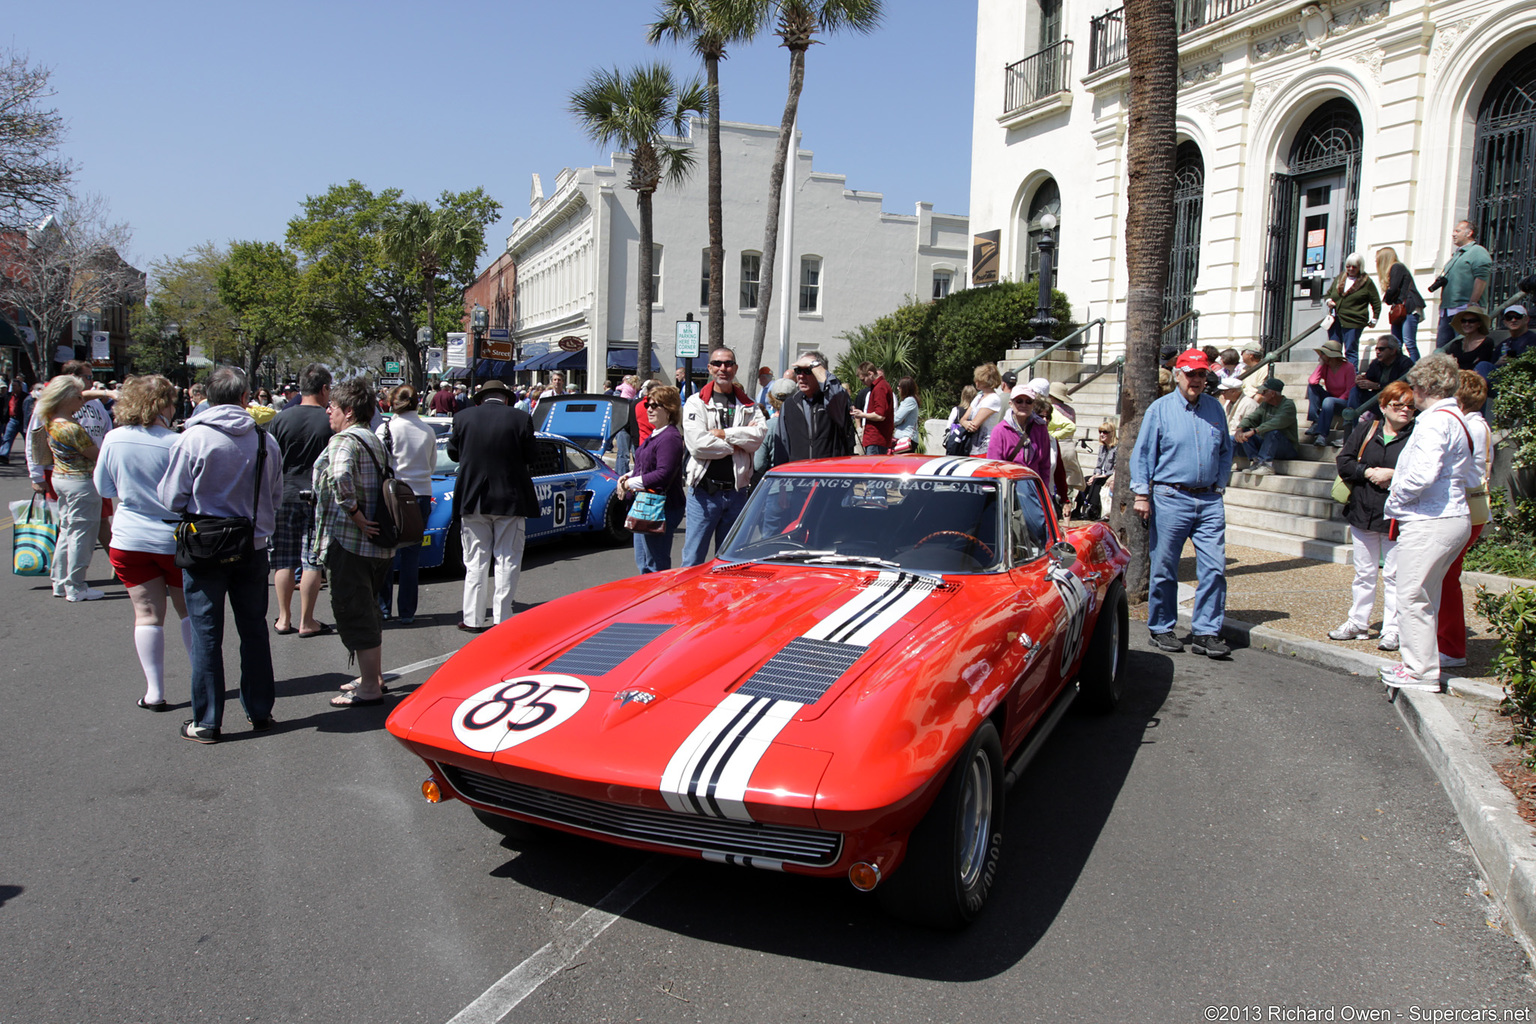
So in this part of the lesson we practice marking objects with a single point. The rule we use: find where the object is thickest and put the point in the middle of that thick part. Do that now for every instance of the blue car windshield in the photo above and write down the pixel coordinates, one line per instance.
(921, 523)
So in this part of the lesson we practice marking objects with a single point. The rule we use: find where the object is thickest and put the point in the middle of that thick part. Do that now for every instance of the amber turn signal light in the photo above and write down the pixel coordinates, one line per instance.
(864, 876)
(430, 790)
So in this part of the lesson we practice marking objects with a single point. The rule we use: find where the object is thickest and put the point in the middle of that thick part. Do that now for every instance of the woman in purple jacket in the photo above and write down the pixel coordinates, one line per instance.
(1021, 435)
(659, 467)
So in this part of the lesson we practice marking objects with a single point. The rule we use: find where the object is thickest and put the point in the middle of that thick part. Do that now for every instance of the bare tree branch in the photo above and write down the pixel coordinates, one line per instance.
(33, 177)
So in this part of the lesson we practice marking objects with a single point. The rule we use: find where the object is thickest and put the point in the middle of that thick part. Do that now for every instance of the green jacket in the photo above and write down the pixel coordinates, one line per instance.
(1273, 417)
(1360, 306)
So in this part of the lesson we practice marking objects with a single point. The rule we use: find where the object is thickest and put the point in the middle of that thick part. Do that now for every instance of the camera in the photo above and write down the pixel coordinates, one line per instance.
(308, 497)
(1437, 283)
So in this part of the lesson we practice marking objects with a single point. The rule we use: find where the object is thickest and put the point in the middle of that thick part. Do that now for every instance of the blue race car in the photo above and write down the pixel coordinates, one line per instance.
(577, 494)
(591, 421)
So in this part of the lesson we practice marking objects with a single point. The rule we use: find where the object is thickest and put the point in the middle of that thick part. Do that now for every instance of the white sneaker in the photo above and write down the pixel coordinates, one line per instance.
(1261, 469)
(1397, 678)
(58, 590)
(88, 594)
(1389, 642)
(1348, 632)
(1448, 662)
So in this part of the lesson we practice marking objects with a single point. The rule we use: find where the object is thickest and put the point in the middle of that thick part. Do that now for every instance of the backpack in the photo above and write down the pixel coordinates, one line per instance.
(399, 516)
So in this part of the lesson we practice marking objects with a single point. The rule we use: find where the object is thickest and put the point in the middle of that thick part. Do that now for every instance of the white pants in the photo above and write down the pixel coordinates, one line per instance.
(485, 538)
(79, 521)
(1425, 550)
(1372, 547)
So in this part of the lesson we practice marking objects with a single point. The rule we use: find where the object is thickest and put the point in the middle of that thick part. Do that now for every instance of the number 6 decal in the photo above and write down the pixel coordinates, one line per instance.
(516, 710)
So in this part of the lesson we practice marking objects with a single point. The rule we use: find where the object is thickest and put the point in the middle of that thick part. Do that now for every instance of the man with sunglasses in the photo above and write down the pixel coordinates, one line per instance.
(1387, 365)
(1517, 321)
(722, 428)
(814, 421)
(1179, 469)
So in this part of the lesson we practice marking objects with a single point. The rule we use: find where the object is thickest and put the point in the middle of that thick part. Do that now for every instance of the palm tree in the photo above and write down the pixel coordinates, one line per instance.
(798, 22)
(425, 241)
(709, 26)
(634, 111)
(1151, 145)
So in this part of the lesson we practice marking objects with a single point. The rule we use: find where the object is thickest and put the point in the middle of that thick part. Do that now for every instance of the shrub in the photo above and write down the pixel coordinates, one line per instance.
(1513, 618)
(1507, 546)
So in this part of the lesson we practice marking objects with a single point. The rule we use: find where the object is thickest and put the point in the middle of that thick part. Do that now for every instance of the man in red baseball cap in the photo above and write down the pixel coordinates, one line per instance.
(1179, 469)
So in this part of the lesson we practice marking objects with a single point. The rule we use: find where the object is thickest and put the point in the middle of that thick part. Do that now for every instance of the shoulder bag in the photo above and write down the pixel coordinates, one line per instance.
(210, 542)
(648, 514)
(1478, 509)
(33, 538)
(398, 515)
(1341, 490)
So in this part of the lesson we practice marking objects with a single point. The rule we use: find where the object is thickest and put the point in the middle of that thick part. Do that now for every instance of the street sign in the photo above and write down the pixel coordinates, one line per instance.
(571, 343)
(392, 366)
(688, 339)
(458, 351)
(494, 348)
(499, 334)
(391, 382)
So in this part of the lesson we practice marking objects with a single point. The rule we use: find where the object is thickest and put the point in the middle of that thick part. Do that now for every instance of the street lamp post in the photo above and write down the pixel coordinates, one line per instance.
(423, 342)
(1043, 322)
(479, 322)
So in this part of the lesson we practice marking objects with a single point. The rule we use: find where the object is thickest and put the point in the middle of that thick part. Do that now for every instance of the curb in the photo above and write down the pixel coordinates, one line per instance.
(1500, 839)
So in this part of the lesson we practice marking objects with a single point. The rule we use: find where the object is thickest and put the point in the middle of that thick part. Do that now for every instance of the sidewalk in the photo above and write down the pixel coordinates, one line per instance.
(1287, 605)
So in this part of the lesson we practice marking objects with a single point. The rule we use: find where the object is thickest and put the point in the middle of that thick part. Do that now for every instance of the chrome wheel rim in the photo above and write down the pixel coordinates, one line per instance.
(975, 818)
(1114, 644)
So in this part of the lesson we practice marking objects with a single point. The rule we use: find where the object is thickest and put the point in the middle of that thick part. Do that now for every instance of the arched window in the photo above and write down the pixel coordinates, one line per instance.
(1503, 203)
(1331, 140)
(1047, 199)
(1184, 258)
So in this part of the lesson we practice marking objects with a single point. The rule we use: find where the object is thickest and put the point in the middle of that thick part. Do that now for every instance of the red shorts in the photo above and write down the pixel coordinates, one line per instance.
(136, 568)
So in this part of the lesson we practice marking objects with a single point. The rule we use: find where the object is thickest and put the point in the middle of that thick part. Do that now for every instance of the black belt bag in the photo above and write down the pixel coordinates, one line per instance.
(715, 486)
(215, 542)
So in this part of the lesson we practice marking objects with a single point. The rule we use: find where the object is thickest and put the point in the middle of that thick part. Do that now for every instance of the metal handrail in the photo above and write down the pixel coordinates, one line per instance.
(1045, 352)
(1193, 314)
(1274, 357)
(1095, 375)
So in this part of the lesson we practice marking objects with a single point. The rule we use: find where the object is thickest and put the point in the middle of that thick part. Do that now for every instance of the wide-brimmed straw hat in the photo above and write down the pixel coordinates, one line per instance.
(1331, 349)
(1477, 311)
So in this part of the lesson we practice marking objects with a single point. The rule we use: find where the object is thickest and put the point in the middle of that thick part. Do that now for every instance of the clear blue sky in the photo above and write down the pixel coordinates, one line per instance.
(212, 121)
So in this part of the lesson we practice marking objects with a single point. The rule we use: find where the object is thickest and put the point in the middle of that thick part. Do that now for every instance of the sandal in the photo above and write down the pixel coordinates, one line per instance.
(352, 700)
(325, 630)
(158, 705)
(283, 632)
(354, 684)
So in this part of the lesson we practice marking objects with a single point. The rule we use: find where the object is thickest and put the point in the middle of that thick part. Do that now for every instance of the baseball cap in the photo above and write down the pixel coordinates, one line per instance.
(1516, 308)
(1274, 384)
(1021, 389)
(1229, 384)
(1192, 359)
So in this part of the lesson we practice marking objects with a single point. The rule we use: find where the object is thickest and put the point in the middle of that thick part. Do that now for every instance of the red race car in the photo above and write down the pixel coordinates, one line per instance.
(881, 646)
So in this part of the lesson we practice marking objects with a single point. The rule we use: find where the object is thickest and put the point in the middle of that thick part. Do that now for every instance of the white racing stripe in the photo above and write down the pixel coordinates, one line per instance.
(950, 465)
(523, 980)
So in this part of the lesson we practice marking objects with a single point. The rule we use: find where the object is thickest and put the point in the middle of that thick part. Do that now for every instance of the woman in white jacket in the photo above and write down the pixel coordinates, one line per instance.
(1428, 500)
(1451, 621)
(412, 446)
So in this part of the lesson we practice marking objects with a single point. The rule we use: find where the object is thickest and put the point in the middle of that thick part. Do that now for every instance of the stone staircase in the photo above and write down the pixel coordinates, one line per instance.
(1290, 512)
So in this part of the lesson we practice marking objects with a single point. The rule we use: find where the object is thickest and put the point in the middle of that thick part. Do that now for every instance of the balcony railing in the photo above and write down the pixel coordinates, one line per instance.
(1037, 76)
(1106, 33)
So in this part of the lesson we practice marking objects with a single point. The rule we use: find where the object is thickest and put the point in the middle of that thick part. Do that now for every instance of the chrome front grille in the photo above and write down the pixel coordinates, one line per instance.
(644, 824)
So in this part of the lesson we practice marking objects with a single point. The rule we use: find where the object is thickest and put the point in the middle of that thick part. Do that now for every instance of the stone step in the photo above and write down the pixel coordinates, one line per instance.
(1304, 486)
(1298, 506)
(1284, 544)
(1316, 469)
(1333, 530)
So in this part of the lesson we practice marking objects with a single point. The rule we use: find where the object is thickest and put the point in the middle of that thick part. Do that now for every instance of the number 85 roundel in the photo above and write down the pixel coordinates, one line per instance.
(516, 710)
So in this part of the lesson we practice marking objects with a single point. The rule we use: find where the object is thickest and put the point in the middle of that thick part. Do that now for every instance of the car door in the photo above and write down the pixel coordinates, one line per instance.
(554, 483)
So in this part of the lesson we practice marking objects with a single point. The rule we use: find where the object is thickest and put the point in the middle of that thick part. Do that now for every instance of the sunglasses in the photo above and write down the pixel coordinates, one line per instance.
(1023, 401)
(1514, 316)
(1406, 406)
(722, 362)
(1193, 373)
(1468, 321)
(803, 370)
(653, 405)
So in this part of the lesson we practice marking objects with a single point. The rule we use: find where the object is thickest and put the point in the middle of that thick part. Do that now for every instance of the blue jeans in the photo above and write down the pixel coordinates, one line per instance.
(653, 551)
(876, 449)
(408, 561)
(710, 517)
(1407, 334)
(1349, 337)
(246, 588)
(12, 428)
(1267, 447)
(1321, 408)
(621, 450)
(1177, 516)
(1446, 333)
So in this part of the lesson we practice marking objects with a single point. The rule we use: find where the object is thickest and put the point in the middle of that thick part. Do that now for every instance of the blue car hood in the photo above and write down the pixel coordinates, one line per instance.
(588, 420)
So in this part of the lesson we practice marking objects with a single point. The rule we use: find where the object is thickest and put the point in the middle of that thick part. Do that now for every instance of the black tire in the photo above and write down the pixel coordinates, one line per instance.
(453, 548)
(954, 854)
(1100, 681)
(508, 828)
(613, 521)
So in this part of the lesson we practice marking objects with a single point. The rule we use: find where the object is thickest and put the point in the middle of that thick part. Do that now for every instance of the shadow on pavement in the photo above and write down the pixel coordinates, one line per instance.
(1054, 818)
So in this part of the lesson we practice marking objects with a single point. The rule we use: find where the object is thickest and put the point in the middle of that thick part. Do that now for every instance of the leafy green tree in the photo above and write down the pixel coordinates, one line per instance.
(359, 288)
(709, 26)
(259, 283)
(635, 111)
(186, 293)
(798, 23)
(891, 350)
(433, 244)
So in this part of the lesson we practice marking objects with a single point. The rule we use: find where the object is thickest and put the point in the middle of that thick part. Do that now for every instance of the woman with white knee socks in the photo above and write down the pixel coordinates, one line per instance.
(133, 459)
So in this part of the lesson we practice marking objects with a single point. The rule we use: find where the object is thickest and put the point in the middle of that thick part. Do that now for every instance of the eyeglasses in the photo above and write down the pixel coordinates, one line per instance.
(802, 370)
(1193, 373)
(653, 405)
(1385, 348)
(1514, 316)
(722, 362)
(1468, 321)
(1402, 406)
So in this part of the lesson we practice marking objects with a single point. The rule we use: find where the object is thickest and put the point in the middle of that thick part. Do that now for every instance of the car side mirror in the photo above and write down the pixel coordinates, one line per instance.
(1064, 554)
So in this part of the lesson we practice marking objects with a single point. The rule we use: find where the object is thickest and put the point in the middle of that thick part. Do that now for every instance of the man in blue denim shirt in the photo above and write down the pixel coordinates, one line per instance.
(1179, 469)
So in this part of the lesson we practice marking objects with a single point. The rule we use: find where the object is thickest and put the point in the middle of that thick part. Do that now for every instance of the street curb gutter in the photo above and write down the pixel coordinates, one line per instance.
(1501, 840)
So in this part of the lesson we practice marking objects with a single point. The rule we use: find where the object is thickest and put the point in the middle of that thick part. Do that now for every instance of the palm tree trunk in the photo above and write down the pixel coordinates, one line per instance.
(1151, 143)
(254, 366)
(716, 221)
(775, 201)
(644, 269)
(415, 357)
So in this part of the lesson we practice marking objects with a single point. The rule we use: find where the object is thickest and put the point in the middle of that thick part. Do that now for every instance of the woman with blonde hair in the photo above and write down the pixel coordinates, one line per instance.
(985, 410)
(1355, 305)
(1398, 289)
(134, 457)
(74, 461)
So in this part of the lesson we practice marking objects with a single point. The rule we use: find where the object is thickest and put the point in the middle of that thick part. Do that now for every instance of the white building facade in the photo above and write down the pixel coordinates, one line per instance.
(577, 255)
(1307, 131)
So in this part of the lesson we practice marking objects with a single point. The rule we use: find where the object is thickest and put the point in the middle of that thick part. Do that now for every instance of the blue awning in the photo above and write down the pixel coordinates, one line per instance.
(628, 358)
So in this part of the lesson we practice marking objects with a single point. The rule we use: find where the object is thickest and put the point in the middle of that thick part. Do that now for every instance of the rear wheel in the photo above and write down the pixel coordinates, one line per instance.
(1099, 680)
(453, 547)
(613, 521)
(954, 853)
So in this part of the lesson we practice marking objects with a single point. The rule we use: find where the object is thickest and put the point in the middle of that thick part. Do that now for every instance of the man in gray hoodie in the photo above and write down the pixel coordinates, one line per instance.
(213, 473)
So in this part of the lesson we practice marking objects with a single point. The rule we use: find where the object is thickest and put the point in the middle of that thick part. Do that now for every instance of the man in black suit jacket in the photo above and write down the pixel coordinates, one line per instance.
(493, 497)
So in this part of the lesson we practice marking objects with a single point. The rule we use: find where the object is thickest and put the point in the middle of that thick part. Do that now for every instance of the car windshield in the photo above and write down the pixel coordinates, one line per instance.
(920, 523)
(446, 466)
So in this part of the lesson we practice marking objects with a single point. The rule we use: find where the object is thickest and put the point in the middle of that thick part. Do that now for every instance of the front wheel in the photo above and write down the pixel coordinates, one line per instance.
(1099, 680)
(613, 521)
(954, 853)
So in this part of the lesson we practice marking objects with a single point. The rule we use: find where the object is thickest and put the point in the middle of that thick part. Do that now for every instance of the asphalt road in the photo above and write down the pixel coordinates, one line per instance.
(1252, 835)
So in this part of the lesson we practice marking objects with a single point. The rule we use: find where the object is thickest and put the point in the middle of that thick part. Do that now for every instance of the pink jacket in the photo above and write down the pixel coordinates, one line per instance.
(1336, 381)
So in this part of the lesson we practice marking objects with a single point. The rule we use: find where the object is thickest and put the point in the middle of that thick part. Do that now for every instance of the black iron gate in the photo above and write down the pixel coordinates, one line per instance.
(1279, 259)
(1504, 174)
(1184, 258)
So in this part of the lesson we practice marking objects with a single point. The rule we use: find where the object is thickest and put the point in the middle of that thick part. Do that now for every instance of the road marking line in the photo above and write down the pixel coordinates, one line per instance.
(524, 979)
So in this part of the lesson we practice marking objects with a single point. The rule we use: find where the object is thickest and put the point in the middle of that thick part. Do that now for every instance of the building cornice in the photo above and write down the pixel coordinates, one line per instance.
(550, 215)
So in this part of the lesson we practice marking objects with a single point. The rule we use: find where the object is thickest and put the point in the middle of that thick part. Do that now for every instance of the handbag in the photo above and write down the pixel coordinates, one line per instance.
(33, 538)
(648, 514)
(957, 440)
(398, 515)
(1397, 314)
(1341, 490)
(208, 542)
(1478, 509)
